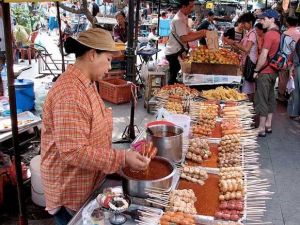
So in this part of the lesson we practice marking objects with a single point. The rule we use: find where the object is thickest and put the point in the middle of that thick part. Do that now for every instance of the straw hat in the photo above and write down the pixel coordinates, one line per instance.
(97, 38)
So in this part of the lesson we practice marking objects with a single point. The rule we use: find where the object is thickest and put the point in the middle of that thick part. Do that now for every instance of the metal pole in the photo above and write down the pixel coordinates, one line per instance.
(266, 4)
(158, 22)
(13, 110)
(60, 39)
(130, 70)
(137, 18)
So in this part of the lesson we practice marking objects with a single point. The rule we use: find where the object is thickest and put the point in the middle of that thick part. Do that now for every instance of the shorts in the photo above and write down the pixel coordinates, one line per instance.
(264, 99)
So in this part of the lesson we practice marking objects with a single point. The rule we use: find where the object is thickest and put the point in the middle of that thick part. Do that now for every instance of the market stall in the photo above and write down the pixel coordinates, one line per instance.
(203, 170)
(207, 66)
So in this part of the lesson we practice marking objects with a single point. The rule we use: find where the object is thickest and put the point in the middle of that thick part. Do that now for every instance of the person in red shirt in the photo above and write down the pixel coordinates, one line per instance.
(264, 100)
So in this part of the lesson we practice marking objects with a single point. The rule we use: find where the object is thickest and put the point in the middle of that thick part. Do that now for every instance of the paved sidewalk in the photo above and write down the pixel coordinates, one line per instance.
(280, 156)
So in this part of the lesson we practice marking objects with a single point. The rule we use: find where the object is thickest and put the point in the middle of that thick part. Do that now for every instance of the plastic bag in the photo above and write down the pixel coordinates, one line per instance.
(290, 86)
(152, 65)
(182, 121)
(162, 113)
(40, 96)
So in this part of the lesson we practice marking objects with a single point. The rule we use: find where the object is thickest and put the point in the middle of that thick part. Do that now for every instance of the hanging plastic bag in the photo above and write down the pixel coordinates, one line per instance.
(162, 113)
(152, 65)
(290, 86)
(40, 96)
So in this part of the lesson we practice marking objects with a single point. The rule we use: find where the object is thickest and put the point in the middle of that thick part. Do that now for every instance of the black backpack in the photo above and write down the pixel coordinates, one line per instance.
(95, 9)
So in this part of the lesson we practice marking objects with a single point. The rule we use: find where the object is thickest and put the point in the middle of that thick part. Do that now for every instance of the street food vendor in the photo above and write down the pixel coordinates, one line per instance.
(76, 150)
(179, 37)
(120, 29)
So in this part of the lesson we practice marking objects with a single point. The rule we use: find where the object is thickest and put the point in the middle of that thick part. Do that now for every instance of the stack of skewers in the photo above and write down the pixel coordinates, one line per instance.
(240, 139)
(173, 201)
(204, 118)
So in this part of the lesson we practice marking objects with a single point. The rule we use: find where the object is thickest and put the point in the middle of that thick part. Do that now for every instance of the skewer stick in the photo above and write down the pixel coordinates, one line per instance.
(157, 203)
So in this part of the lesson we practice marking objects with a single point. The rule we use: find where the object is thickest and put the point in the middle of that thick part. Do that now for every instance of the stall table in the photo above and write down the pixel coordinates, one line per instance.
(7, 135)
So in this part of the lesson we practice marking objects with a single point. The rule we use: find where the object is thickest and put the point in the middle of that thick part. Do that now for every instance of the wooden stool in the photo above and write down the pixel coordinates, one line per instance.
(156, 80)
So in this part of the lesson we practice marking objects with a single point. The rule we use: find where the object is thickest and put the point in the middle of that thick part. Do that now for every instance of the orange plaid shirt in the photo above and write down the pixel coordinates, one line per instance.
(76, 141)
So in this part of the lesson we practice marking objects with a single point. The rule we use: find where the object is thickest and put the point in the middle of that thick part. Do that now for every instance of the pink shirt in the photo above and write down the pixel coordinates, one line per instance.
(252, 37)
(294, 33)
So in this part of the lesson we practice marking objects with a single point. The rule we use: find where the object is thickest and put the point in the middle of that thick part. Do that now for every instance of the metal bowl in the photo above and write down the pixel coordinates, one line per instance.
(137, 188)
(169, 147)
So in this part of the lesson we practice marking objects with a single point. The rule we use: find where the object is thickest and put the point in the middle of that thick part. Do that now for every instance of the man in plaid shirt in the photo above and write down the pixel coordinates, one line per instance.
(77, 129)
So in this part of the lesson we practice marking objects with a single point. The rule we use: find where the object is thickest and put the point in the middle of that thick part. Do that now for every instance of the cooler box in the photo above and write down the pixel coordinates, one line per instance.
(24, 94)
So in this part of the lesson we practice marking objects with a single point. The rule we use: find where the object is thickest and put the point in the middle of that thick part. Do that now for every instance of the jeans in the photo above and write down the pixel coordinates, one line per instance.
(174, 67)
(62, 217)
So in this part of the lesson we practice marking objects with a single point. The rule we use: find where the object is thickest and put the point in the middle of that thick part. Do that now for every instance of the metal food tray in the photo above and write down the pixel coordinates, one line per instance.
(22, 116)
(208, 220)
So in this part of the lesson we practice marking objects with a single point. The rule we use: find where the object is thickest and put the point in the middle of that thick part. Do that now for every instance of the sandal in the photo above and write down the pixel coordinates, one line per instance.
(295, 118)
(262, 134)
(268, 130)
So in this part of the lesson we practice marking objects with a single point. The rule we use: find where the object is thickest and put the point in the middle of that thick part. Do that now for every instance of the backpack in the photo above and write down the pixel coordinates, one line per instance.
(281, 60)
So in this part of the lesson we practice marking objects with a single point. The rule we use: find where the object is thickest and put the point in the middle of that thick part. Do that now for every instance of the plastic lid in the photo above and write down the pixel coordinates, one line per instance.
(23, 82)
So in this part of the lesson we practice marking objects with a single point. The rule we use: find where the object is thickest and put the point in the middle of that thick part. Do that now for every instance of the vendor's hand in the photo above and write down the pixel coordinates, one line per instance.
(202, 33)
(136, 161)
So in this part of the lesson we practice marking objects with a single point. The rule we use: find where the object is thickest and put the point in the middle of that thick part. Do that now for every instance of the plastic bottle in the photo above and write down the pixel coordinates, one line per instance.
(4, 81)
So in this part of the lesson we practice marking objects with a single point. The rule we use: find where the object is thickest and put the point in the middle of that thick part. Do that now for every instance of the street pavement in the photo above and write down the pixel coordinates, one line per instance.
(279, 155)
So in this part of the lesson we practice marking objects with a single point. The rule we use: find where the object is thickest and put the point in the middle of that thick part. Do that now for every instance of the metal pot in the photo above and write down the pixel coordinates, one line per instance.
(136, 188)
(168, 140)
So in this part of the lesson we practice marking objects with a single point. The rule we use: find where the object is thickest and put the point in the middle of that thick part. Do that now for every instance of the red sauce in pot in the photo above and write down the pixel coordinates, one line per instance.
(157, 169)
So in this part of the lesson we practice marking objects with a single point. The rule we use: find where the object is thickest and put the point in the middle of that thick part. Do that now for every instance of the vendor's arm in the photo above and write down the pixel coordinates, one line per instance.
(192, 36)
(184, 33)
(72, 137)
